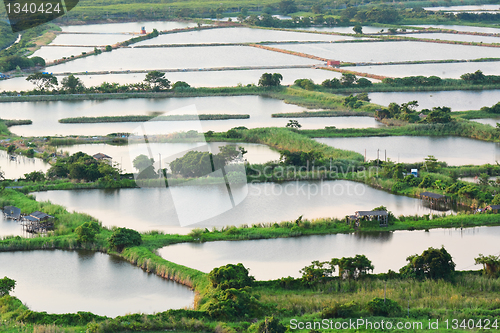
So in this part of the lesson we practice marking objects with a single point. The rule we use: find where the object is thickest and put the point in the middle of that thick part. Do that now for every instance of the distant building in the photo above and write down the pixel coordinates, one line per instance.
(12, 212)
(333, 63)
(414, 172)
(493, 208)
(102, 157)
(380, 215)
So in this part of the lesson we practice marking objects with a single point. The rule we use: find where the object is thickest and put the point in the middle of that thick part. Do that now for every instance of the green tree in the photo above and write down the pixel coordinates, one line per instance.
(475, 78)
(157, 81)
(293, 124)
(431, 163)
(180, 85)
(72, 84)
(87, 231)
(317, 271)
(348, 79)
(271, 325)
(43, 80)
(270, 80)
(6, 286)
(287, 6)
(11, 149)
(123, 237)
(439, 115)
(332, 84)
(353, 267)
(230, 276)
(34, 176)
(358, 29)
(144, 166)
(432, 263)
(491, 264)
(362, 82)
(108, 48)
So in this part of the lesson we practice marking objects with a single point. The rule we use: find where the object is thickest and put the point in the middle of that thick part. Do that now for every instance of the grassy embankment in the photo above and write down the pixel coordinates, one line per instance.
(287, 298)
(467, 129)
(141, 118)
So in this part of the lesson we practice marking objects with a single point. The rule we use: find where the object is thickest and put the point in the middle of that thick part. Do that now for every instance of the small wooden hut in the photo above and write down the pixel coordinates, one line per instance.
(381, 215)
(11, 212)
(38, 222)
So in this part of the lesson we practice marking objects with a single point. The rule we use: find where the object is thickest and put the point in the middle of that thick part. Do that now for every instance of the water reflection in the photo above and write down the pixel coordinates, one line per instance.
(72, 281)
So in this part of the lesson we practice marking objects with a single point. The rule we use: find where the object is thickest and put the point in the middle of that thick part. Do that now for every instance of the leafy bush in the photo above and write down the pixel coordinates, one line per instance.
(341, 310)
(381, 307)
(123, 237)
(432, 263)
(87, 231)
(6, 286)
(230, 276)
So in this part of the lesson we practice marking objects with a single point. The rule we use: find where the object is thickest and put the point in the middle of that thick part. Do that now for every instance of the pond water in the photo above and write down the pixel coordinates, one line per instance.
(456, 37)
(45, 115)
(160, 208)
(462, 8)
(9, 227)
(72, 281)
(276, 258)
(443, 70)
(16, 168)
(90, 39)
(51, 53)
(180, 58)
(462, 28)
(407, 149)
(346, 30)
(128, 27)
(457, 100)
(488, 121)
(238, 35)
(229, 78)
(392, 51)
(476, 179)
(124, 155)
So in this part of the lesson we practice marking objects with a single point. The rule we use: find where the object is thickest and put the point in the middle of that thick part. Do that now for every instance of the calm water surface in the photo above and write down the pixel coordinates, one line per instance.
(238, 35)
(90, 39)
(228, 78)
(393, 51)
(407, 149)
(72, 281)
(45, 115)
(51, 53)
(450, 8)
(276, 258)
(456, 100)
(124, 155)
(446, 70)
(462, 28)
(179, 58)
(456, 37)
(128, 27)
(20, 165)
(154, 209)
(9, 227)
(488, 121)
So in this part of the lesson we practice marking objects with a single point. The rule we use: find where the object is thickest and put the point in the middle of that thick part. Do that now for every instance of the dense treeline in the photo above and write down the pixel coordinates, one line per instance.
(14, 57)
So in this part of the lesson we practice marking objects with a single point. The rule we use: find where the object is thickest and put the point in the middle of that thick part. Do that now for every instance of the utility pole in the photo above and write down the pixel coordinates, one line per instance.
(378, 156)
